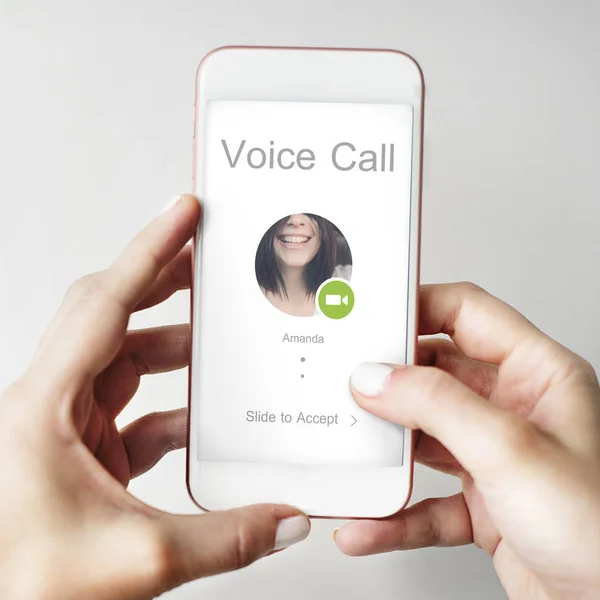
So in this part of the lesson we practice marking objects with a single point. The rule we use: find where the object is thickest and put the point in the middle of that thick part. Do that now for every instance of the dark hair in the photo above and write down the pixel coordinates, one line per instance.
(344, 256)
(319, 269)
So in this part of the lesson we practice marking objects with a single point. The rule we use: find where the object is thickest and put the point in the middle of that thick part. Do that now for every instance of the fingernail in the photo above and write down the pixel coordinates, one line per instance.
(291, 531)
(335, 532)
(369, 379)
(171, 204)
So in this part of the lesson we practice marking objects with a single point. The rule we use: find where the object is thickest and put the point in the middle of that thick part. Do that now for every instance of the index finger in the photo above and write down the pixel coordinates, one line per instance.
(536, 373)
(89, 328)
(481, 325)
(135, 270)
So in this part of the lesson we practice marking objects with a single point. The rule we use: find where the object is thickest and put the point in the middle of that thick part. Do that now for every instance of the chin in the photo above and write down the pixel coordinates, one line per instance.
(293, 260)
(295, 263)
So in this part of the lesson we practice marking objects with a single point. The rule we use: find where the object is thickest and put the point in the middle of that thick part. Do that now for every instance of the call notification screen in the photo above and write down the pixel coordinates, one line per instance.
(304, 265)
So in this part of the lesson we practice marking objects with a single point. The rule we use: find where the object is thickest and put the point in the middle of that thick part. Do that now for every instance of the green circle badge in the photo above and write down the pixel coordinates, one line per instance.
(335, 298)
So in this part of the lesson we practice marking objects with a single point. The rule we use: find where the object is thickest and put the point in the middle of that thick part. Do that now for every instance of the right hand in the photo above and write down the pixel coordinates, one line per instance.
(516, 417)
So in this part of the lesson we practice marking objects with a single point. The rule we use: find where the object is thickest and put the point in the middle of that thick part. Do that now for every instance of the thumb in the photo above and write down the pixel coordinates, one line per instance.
(485, 439)
(216, 542)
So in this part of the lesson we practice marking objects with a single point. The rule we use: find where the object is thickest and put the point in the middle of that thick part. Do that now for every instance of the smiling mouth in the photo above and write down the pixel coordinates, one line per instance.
(293, 240)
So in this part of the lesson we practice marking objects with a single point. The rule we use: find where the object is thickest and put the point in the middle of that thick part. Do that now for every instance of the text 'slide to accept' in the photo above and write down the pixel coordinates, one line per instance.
(299, 418)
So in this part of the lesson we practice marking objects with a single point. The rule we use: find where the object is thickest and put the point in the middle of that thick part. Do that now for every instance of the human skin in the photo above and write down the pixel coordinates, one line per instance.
(68, 527)
(296, 244)
(515, 416)
(512, 413)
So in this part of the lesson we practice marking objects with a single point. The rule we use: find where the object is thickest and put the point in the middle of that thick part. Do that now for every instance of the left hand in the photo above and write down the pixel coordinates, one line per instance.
(68, 527)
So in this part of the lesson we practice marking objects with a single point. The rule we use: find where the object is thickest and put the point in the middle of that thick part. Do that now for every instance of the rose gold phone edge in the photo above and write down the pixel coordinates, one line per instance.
(418, 250)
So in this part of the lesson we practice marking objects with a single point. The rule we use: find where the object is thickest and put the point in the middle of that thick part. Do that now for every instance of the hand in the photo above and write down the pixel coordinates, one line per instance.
(68, 527)
(516, 417)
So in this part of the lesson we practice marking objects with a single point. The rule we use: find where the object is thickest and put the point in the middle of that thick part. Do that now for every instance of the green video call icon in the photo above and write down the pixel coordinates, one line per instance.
(335, 298)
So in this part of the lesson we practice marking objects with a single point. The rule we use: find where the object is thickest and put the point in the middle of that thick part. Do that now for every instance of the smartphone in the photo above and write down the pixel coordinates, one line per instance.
(307, 163)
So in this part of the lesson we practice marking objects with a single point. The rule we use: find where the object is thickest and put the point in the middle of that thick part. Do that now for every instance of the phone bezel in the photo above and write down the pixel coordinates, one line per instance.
(306, 74)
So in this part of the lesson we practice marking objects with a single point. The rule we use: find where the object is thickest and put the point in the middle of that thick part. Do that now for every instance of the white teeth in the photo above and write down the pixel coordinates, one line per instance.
(294, 239)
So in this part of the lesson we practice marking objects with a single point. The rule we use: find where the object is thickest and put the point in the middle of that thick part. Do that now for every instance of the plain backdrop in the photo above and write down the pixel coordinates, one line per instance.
(95, 137)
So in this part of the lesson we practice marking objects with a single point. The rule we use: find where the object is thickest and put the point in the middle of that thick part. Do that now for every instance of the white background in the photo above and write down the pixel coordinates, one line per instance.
(240, 326)
(95, 137)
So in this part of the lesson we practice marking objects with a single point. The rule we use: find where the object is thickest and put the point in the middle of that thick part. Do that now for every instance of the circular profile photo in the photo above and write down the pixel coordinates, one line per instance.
(295, 256)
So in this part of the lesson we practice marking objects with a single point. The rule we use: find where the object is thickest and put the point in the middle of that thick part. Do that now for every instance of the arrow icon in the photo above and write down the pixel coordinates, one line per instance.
(354, 419)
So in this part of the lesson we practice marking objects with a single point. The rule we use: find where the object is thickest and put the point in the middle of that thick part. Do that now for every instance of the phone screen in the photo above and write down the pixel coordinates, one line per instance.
(305, 274)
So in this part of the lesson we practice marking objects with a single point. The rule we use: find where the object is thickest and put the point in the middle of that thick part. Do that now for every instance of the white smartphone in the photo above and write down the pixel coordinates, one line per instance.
(308, 167)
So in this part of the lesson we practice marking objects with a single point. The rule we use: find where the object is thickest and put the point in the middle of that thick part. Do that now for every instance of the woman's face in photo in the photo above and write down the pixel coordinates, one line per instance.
(297, 241)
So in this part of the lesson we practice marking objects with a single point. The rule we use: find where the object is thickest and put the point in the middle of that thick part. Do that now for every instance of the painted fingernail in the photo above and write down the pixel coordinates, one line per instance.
(172, 203)
(369, 379)
(291, 531)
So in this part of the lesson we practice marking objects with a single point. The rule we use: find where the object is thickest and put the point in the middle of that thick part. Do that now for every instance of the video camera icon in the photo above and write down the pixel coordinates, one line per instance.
(335, 298)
